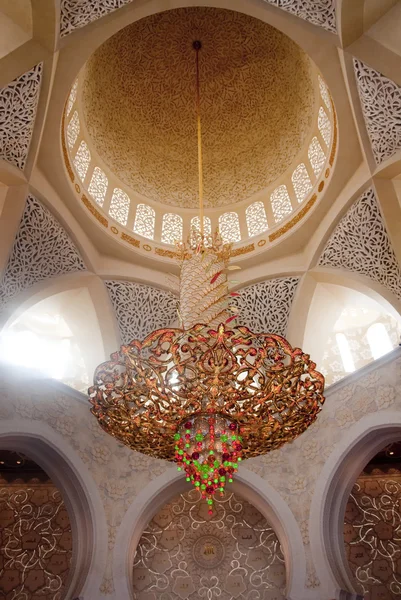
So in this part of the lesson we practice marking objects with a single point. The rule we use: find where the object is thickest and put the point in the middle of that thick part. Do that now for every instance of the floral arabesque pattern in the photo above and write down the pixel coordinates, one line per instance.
(301, 182)
(82, 160)
(42, 249)
(140, 309)
(266, 306)
(317, 12)
(229, 227)
(145, 221)
(256, 219)
(36, 544)
(18, 105)
(119, 206)
(372, 535)
(184, 549)
(171, 228)
(316, 156)
(281, 203)
(381, 105)
(78, 13)
(98, 185)
(360, 244)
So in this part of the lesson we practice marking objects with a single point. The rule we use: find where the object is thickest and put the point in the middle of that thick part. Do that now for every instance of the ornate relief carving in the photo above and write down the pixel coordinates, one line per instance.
(119, 206)
(372, 535)
(171, 228)
(72, 97)
(229, 227)
(36, 541)
(381, 105)
(98, 186)
(301, 182)
(73, 129)
(292, 222)
(317, 12)
(78, 13)
(266, 306)
(256, 219)
(18, 105)
(230, 554)
(42, 249)
(140, 308)
(82, 160)
(281, 203)
(324, 125)
(360, 244)
(149, 143)
(316, 156)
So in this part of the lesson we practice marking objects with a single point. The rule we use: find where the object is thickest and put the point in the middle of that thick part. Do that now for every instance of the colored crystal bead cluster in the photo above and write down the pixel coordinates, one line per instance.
(208, 448)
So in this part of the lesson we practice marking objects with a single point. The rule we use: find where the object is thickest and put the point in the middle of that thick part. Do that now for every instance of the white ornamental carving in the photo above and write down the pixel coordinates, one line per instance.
(42, 249)
(18, 105)
(78, 13)
(317, 12)
(140, 309)
(360, 244)
(266, 306)
(381, 106)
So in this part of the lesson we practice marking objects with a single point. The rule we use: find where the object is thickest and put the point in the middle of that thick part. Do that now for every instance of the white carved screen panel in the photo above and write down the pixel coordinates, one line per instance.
(301, 182)
(42, 249)
(78, 13)
(18, 106)
(256, 219)
(360, 244)
(266, 306)
(72, 97)
(145, 221)
(73, 129)
(317, 12)
(171, 228)
(82, 160)
(281, 203)
(140, 309)
(98, 185)
(381, 106)
(316, 156)
(229, 227)
(324, 92)
(119, 206)
(324, 125)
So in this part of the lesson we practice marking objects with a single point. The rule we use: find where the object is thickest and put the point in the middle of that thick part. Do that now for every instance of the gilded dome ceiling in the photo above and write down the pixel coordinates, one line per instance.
(257, 105)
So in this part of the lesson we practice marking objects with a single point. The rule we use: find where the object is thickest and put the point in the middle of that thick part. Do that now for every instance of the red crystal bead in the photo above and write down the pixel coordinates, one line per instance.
(188, 425)
(209, 489)
(233, 426)
(195, 455)
(222, 471)
(226, 456)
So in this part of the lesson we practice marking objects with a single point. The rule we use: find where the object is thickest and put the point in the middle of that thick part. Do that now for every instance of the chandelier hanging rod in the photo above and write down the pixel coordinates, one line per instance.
(197, 45)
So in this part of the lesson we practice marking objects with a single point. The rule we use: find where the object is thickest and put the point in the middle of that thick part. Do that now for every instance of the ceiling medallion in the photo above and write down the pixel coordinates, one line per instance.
(210, 393)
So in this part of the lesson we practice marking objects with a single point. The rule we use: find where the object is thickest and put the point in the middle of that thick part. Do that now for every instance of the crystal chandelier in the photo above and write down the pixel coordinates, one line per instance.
(206, 394)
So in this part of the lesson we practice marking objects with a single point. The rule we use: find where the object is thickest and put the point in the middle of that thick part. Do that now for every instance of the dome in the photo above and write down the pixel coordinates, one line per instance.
(258, 105)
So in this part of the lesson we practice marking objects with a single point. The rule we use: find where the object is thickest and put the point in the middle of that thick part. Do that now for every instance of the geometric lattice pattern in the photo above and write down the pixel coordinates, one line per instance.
(98, 186)
(78, 13)
(119, 206)
(73, 129)
(82, 160)
(324, 92)
(42, 249)
(316, 156)
(72, 97)
(360, 244)
(324, 126)
(18, 105)
(381, 107)
(140, 308)
(301, 182)
(145, 221)
(266, 306)
(171, 228)
(317, 12)
(256, 219)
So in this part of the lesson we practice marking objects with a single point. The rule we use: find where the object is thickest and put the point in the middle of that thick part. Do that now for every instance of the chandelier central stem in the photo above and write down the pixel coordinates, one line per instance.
(197, 46)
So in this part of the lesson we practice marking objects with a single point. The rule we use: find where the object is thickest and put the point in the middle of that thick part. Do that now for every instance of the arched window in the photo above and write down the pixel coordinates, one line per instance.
(119, 206)
(73, 129)
(229, 227)
(378, 340)
(316, 156)
(301, 182)
(324, 92)
(72, 97)
(195, 225)
(256, 220)
(82, 160)
(281, 203)
(324, 126)
(345, 353)
(145, 221)
(171, 228)
(98, 186)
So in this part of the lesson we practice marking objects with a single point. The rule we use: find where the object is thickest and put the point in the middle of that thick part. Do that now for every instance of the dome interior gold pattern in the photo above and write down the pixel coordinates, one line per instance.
(257, 105)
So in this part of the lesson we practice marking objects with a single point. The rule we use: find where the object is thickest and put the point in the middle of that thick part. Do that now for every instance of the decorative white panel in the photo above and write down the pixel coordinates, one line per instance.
(82, 160)
(42, 249)
(195, 225)
(301, 182)
(72, 97)
(18, 105)
(281, 203)
(324, 92)
(381, 106)
(324, 125)
(140, 309)
(119, 206)
(98, 185)
(256, 219)
(171, 228)
(73, 129)
(316, 156)
(317, 12)
(145, 221)
(360, 244)
(78, 13)
(229, 227)
(265, 307)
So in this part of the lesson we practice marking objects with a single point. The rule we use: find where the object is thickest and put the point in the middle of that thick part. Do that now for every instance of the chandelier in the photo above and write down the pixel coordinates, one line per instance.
(209, 393)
